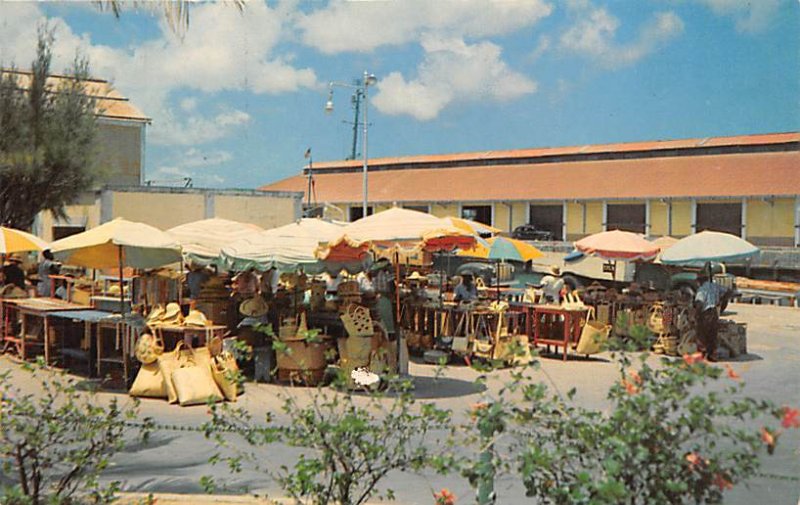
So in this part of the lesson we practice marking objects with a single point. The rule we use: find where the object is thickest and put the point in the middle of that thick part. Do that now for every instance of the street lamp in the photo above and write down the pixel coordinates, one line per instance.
(361, 88)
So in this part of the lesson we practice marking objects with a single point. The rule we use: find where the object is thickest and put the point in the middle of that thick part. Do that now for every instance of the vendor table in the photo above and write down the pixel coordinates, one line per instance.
(98, 326)
(32, 334)
(543, 317)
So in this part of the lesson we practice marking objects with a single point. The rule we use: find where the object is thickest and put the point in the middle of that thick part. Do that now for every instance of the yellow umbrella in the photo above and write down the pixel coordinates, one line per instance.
(473, 227)
(502, 248)
(13, 241)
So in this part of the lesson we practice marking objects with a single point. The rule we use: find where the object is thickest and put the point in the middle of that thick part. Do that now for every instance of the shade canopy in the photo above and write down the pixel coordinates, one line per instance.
(502, 248)
(14, 241)
(203, 240)
(135, 245)
(397, 228)
(472, 227)
(708, 246)
(618, 245)
(288, 248)
(664, 242)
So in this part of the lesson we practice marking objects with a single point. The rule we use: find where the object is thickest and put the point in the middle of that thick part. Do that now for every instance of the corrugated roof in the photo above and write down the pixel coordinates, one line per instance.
(110, 103)
(656, 145)
(729, 175)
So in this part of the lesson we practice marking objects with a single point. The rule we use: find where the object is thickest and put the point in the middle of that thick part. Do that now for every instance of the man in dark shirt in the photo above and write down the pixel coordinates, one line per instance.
(12, 273)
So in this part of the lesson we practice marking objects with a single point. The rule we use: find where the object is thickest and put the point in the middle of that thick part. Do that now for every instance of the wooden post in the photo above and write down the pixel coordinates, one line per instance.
(121, 286)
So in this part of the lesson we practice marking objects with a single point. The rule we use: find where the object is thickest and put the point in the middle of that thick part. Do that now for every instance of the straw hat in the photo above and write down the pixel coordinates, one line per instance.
(172, 314)
(148, 349)
(253, 307)
(155, 315)
(416, 276)
(555, 270)
(196, 318)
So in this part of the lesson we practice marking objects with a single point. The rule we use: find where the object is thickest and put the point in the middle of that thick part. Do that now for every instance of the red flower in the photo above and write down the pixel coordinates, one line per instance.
(444, 497)
(721, 482)
(630, 387)
(732, 373)
(790, 418)
(691, 359)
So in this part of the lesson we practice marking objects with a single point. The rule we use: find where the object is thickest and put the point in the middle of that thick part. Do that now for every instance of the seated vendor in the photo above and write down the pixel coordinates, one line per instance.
(12, 273)
(551, 285)
(466, 291)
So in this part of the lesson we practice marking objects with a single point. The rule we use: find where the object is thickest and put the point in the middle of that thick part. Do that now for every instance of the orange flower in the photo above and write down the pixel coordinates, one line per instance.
(475, 409)
(721, 482)
(691, 359)
(769, 438)
(695, 461)
(444, 497)
(630, 387)
(732, 373)
(635, 376)
(790, 418)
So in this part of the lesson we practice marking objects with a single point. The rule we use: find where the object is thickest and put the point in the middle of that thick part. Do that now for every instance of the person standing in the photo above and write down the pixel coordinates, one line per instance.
(551, 285)
(47, 267)
(707, 302)
(466, 291)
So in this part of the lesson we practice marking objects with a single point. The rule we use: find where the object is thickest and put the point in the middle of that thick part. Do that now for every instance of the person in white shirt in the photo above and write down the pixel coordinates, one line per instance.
(552, 284)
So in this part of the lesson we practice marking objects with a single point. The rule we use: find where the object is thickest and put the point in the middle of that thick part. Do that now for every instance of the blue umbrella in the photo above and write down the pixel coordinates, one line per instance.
(708, 246)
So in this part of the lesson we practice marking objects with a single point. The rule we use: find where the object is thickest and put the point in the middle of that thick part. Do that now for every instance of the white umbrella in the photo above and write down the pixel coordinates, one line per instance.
(202, 241)
(708, 246)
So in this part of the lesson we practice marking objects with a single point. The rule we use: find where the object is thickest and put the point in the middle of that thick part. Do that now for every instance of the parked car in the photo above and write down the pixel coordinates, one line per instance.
(530, 232)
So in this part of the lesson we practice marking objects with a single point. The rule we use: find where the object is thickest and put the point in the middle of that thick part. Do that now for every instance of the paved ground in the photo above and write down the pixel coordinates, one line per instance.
(174, 461)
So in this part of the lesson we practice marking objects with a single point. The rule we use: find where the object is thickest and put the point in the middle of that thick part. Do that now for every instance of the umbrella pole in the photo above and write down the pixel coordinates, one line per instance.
(121, 288)
(397, 329)
(497, 278)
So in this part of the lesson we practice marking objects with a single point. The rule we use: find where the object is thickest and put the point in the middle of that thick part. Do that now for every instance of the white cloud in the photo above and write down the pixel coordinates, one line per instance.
(542, 46)
(750, 15)
(451, 71)
(594, 35)
(194, 164)
(223, 50)
(363, 26)
(196, 129)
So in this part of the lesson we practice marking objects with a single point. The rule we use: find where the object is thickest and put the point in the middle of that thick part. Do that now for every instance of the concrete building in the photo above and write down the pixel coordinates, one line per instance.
(121, 192)
(747, 185)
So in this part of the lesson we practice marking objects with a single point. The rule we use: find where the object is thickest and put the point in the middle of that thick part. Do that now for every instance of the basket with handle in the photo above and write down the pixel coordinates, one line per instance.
(357, 321)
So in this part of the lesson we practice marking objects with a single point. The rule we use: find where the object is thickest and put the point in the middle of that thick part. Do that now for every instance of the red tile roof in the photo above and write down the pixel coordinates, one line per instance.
(726, 175)
(656, 145)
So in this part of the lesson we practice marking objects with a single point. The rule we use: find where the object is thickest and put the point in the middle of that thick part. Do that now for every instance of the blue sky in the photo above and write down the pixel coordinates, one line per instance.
(238, 100)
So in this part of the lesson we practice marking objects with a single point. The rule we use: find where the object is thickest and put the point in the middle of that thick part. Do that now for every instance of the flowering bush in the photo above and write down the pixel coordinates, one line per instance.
(669, 436)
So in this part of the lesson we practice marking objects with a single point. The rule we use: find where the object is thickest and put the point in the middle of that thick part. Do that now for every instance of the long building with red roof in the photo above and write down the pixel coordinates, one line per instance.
(748, 185)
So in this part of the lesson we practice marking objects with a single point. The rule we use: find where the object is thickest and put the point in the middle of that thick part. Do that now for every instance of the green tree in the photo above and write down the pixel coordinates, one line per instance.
(47, 137)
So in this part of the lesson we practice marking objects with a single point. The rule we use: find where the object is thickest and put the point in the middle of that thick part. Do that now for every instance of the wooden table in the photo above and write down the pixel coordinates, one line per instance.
(28, 310)
(540, 314)
(96, 324)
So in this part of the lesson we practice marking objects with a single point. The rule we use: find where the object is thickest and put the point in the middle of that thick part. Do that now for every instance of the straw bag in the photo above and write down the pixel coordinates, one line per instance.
(149, 347)
(171, 361)
(593, 336)
(225, 370)
(149, 382)
(357, 321)
(194, 383)
(572, 301)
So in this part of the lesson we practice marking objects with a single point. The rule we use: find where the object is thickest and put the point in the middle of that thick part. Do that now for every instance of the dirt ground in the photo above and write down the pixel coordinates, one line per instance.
(174, 461)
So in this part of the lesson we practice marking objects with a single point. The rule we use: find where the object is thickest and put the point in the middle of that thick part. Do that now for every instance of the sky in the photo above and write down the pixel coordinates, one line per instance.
(238, 98)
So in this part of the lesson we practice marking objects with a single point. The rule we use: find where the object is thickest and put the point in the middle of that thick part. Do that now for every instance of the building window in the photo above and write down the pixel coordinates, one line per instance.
(479, 213)
(549, 218)
(64, 231)
(418, 208)
(725, 217)
(627, 217)
(357, 213)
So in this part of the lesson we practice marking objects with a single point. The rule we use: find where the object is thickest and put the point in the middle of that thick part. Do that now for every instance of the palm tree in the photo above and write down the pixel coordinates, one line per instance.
(175, 12)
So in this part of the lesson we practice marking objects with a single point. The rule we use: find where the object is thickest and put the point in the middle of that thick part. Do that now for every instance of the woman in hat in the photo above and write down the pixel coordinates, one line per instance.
(12, 273)
(466, 291)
